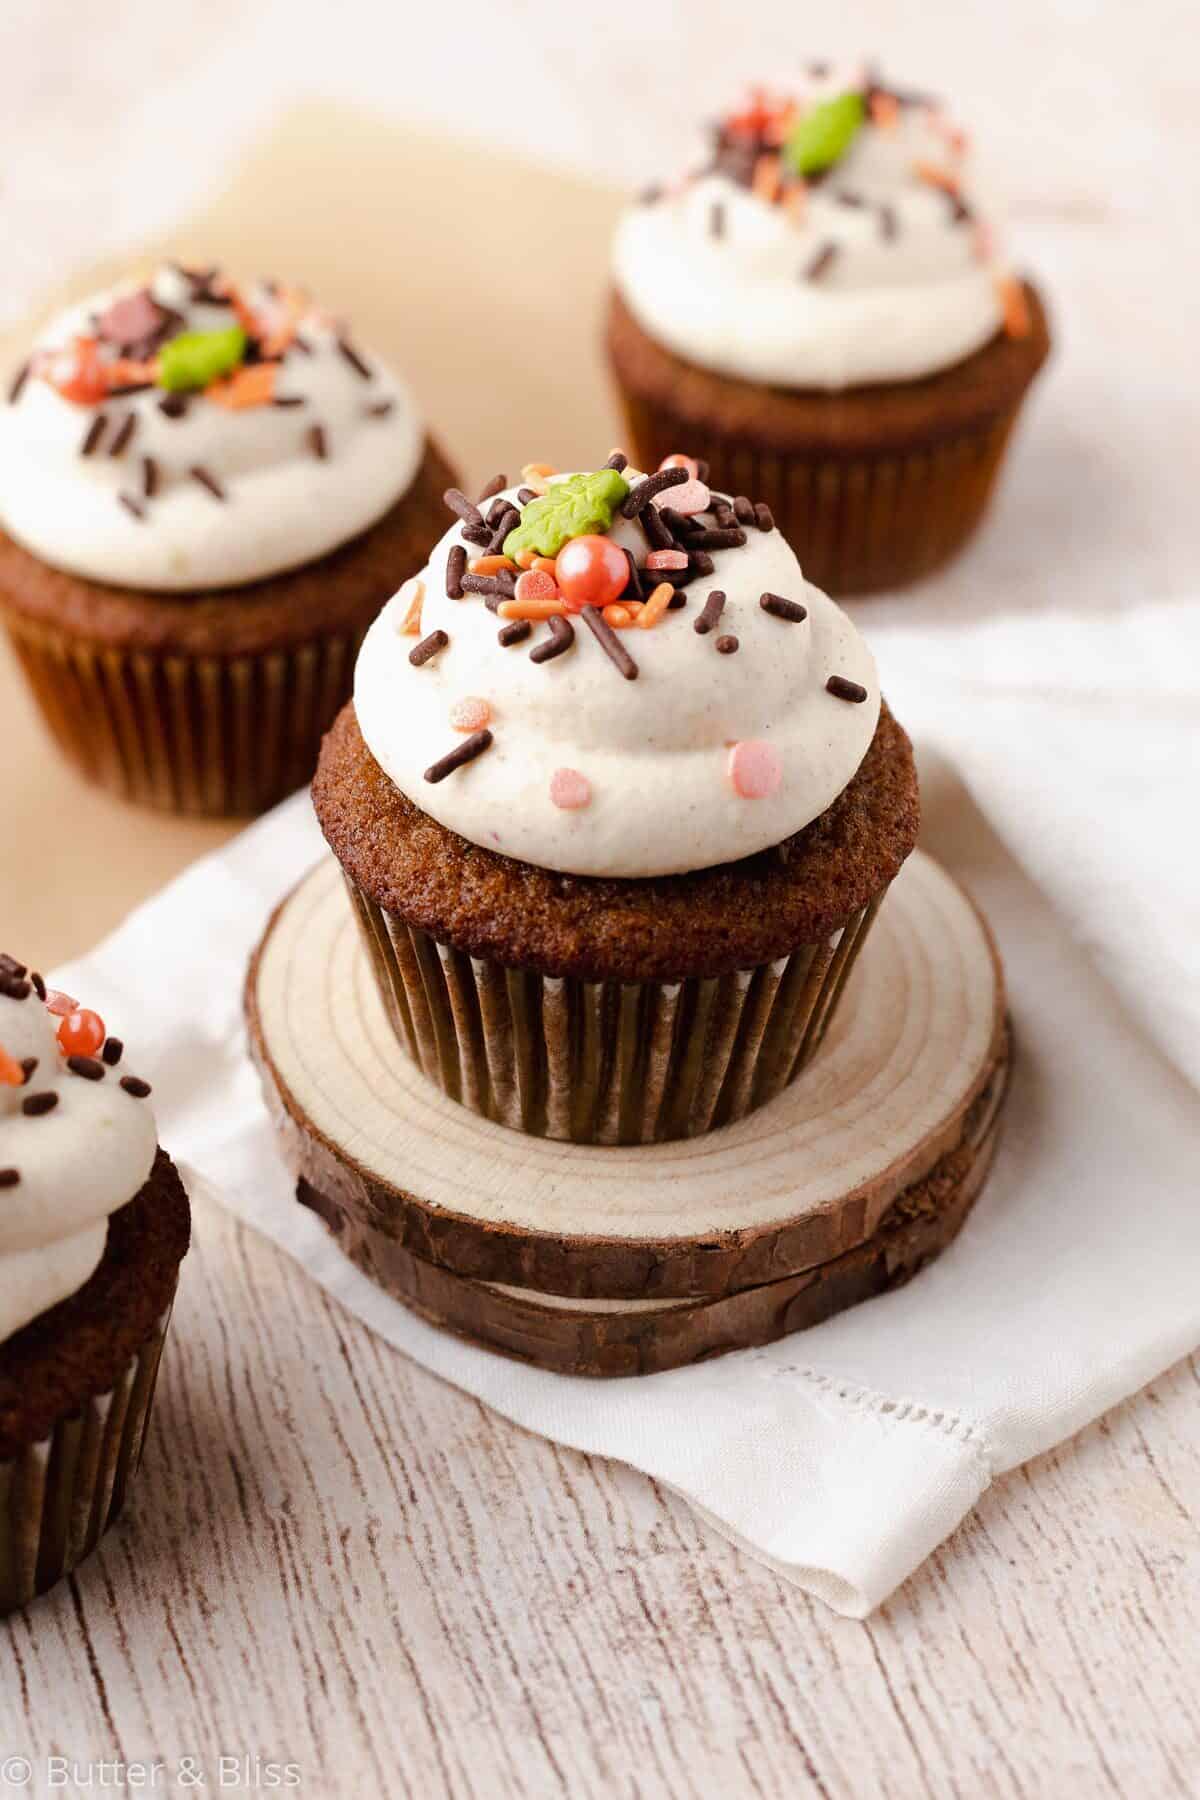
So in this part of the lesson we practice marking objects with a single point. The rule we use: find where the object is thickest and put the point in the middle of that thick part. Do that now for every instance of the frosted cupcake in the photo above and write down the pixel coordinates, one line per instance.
(822, 311)
(206, 491)
(616, 801)
(94, 1223)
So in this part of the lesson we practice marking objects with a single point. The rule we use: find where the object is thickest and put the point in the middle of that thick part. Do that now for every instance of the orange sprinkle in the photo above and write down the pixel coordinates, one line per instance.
(937, 177)
(618, 615)
(767, 179)
(547, 564)
(11, 1072)
(290, 306)
(126, 373)
(885, 111)
(490, 565)
(471, 714)
(410, 625)
(532, 609)
(656, 606)
(526, 559)
(251, 385)
(795, 199)
(1018, 321)
(535, 476)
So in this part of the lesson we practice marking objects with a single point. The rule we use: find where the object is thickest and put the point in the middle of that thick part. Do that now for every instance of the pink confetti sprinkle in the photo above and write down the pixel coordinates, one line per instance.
(691, 497)
(60, 1004)
(570, 790)
(679, 461)
(536, 584)
(667, 559)
(755, 770)
(471, 714)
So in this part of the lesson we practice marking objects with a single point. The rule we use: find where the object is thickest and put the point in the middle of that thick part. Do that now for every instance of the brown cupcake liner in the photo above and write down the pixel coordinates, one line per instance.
(59, 1496)
(189, 734)
(857, 522)
(605, 1062)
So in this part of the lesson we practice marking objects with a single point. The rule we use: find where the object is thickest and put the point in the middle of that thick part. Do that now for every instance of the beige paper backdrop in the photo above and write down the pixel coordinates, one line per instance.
(425, 244)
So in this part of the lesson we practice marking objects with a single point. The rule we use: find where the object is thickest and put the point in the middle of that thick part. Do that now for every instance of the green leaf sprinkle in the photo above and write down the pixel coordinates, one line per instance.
(571, 509)
(825, 133)
(195, 358)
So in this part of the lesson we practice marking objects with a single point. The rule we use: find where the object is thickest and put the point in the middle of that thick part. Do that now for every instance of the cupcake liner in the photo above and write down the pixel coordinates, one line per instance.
(605, 1062)
(59, 1496)
(857, 522)
(189, 734)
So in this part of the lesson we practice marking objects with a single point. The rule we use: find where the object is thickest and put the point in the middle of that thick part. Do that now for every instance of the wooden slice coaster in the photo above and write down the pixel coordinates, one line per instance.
(798, 1184)
(644, 1337)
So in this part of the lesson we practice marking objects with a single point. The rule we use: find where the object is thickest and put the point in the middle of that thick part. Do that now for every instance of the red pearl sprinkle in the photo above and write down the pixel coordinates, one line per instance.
(755, 770)
(82, 1033)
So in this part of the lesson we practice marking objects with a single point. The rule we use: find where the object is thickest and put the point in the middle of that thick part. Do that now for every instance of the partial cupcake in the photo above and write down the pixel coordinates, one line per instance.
(617, 801)
(207, 489)
(94, 1223)
(823, 312)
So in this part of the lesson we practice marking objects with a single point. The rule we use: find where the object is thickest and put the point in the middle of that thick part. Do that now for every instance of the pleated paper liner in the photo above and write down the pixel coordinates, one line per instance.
(188, 734)
(605, 1062)
(60, 1495)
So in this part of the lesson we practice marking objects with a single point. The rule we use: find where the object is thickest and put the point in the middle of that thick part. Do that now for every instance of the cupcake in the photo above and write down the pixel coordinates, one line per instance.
(822, 312)
(616, 801)
(206, 493)
(94, 1224)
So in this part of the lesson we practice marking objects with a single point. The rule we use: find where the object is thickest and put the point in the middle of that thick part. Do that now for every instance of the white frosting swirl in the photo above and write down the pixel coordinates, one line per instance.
(655, 751)
(284, 504)
(75, 1165)
(910, 288)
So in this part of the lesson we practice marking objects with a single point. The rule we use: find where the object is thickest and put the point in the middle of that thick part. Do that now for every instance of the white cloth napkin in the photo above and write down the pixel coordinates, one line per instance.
(845, 1455)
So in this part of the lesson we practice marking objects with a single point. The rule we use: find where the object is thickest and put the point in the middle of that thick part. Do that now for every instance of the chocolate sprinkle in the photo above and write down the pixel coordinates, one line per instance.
(713, 608)
(93, 434)
(464, 509)
(513, 633)
(10, 966)
(39, 986)
(508, 521)
(9, 1178)
(173, 406)
(618, 461)
(718, 540)
(133, 1084)
(456, 564)
(716, 220)
(779, 608)
(841, 689)
(496, 485)
(497, 509)
(466, 752)
(208, 481)
(743, 510)
(287, 400)
(37, 1104)
(641, 495)
(132, 506)
(477, 534)
(125, 431)
(87, 1066)
(113, 1051)
(635, 584)
(488, 584)
(428, 648)
(317, 442)
(727, 645)
(608, 640)
(888, 224)
(353, 358)
(13, 988)
(17, 385)
(655, 529)
(820, 263)
(380, 409)
(28, 1067)
(764, 518)
(149, 477)
(562, 636)
(526, 494)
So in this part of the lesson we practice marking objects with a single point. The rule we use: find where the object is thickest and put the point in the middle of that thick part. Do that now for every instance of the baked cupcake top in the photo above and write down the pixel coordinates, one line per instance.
(77, 1142)
(830, 240)
(190, 432)
(614, 674)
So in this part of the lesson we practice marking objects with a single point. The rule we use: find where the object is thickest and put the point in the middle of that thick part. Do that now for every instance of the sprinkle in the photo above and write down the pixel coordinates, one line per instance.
(462, 753)
(656, 606)
(847, 197)
(113, 1051)
(428, 648)
(641, 495)
(477, 534)
(501, 585)
(607, 638)
(10, 966)
(537, 610)
(635, 578)
(39, 986)
(149, 477)
(667, 559)
(207, 480)
(28, 1067)
(621, 614)
(779, 608)
(125, 431)
(764, 518)
(885, 110)
(470, 714)
(87, 1066)
(536, 476)
(727, 645)
(930, 173)
(17, 385)
(536, 584)
(317, 442)
(570, 790)
(495, 486)
(289, 400)
(13, 988)
(93, 434)
(700, 562)
(132, 506)
(456, 564)
(655, 528)
(496, 511)
(133, 1084)
(562, 636)
(465, 509)
(814, 270)
(1018, 320)
(795, 200)
(515, 633)
(38, 1104)
(11, 1072)
(649, 195)
(688, 498)
(617, 460)
(60, 1004)
(716, 220)
(173, 406)
(353, 358)
(767, 177)
(414, 591)
(508, 521)
(9, 1178)
(713, 608)
(379, 409)
(888, 223)
(251, 385)
(841, 689)
(743, 510)
(526, 494)
(718, 540)
(755, 770)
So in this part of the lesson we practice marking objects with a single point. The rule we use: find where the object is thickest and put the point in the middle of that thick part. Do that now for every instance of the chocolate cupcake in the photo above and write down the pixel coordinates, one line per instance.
(616, 802)
(206, 492)
(94, 1223)
(821, 311)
